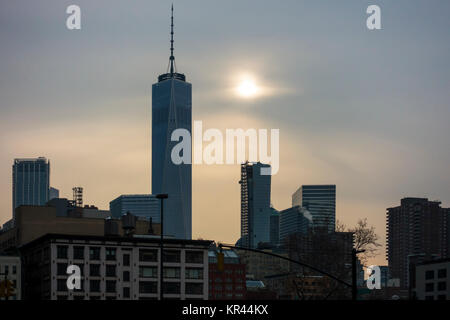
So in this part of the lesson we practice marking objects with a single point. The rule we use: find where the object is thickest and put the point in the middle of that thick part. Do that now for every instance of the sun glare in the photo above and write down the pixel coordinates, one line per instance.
(247, 88)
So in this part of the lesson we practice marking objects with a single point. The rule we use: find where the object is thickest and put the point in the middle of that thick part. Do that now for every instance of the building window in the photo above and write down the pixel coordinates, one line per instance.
(62, 297)
(126, 276)
(171, 273)
(147, 255)
(61, 252)
(442, 273)
(61, 269)
(78, 297)
(429, 298)
(94, 270)
(429, 275)
(61, 285)
(442, 286)
(94, 253)
(148, 287)
(94, 285)
(78, 253)
(172, 287)
(429, 287)
(194, 257)
(194, 273)
(111, 254)
(442, 297)
(126, 260)
(147, 272)
(172, 256)
(14, 269)
(110, 286)
(126, 292)
(110, 270)
(194, 288)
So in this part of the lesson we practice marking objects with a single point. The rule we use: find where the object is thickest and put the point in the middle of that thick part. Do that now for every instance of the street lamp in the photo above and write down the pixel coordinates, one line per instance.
(354, 277)
(161, 196)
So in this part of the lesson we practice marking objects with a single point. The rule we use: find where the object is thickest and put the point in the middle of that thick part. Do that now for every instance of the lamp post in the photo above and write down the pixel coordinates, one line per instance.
(161, 196)
(354, 274)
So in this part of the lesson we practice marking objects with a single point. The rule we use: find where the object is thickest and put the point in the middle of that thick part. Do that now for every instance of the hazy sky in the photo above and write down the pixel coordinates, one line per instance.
(365, 110)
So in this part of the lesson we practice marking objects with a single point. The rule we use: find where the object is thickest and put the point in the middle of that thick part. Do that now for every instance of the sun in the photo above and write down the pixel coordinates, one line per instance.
(247, 88)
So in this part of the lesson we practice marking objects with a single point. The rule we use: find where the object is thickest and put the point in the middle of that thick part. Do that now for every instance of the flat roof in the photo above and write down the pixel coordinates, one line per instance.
(50, 236)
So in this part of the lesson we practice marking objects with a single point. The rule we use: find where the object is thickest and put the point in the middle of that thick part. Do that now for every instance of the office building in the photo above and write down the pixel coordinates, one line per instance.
(255, 205)
(228, 284)
(416, 231)
(115, 268)
(31, 182)
(10, 270)
(274, 227)
(53, 193)
(293, 220)
(320, 201)
(141, 205)
(171, 110)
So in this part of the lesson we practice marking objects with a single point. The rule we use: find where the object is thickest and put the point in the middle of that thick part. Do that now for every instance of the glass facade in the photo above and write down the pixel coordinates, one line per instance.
(31, 182)
(140, 205)
(320, 201)
(171, 110)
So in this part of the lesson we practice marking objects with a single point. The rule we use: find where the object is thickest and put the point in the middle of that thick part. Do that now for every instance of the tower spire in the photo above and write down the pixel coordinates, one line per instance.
(172, 58)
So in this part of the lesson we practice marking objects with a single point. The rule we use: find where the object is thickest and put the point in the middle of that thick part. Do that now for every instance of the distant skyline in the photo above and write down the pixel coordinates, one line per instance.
(365, 110)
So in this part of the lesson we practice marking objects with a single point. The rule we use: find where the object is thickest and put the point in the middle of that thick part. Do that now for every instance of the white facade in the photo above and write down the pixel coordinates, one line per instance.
(125, 269)
(12, 267)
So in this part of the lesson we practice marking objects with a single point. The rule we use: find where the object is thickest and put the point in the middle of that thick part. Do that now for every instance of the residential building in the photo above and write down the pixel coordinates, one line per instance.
(255, 204)
(172, 110)
(432, 280)
(115, 268)
(229, 283)
(320, 201)
(53, 193)
(259, 265)
(140, 205)
(417, 231)
(10, 270)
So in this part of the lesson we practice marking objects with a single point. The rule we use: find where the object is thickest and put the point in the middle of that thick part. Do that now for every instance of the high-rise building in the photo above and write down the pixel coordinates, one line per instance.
(416, 231)
(140, 205)
(320, 201)
(171, 110)
(255, 205)
(274, 227)
(293, 220)
(31, 182)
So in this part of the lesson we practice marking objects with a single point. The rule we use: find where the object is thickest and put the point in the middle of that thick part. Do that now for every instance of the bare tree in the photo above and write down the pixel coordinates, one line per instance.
(365, 238)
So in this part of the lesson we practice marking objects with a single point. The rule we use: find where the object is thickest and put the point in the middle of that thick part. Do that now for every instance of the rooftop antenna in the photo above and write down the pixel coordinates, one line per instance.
(172, 58)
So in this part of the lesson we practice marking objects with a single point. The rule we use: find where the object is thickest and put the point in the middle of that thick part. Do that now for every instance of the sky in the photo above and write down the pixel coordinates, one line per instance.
(365, 110)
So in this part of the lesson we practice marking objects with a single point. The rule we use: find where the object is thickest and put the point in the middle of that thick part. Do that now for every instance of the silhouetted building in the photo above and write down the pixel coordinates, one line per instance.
(320, 201)
(228, 284)
(140, 205)
(255, 205)
(416, 232)
(293, 220)
(31, 182)
(274, 227)
(53, 193)
(172, 110)
(432, 280)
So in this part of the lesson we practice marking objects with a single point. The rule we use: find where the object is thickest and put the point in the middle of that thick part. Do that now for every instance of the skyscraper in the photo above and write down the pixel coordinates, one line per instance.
(140, 205)
(293, 220)
(171, 110)
(416, 231)
(31, 182)
(320, 201)
(255, 205)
